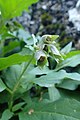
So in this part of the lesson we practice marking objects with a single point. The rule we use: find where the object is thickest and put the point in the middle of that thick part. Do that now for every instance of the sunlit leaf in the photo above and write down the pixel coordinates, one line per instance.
(14, 59)
(13, 8)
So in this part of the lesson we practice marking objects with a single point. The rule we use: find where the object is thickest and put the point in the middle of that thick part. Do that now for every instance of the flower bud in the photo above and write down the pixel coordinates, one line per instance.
(47, 39)
(41, 58)
(54, 50)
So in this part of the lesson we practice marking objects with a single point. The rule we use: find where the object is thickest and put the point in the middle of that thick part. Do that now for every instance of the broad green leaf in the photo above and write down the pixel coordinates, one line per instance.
(6, 115)
(70, 94)
(56, 78)
(50, 79)
(11, 75)
(69, 62)
(2, 86)
(13, 8)
(40, 71)
(14, 59)
(64, 109)
(11, 78)
(26, 80)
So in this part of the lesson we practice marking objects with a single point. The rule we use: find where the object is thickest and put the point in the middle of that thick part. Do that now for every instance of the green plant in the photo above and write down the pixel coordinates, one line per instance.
(38, 80)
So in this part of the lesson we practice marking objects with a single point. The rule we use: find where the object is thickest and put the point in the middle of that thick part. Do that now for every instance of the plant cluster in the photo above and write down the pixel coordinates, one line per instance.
(38, 79)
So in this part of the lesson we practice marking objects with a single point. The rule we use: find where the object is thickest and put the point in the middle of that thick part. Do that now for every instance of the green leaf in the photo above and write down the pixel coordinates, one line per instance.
(71, 54)
(14, 59)
(2, 86)
(40, 71)
(23, 35)
(26, 80)
(67, 48)
(11, 75)
(17, 106)
(69, 62)
(56, 78)
(53, 93)
(64, 109)
(11, 46)
(11, 78)
(68, 84)
(5, 34)
(13, 8)
(26, 97)
(6, 115)
(70, 94)
(4, 95)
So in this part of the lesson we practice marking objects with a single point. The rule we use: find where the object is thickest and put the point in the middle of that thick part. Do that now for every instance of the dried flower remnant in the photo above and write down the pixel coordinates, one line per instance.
(30, 111)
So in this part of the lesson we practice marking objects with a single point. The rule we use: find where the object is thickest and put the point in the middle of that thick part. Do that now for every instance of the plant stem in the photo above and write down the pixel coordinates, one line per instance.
(53, 93)
(9, 90)
(19, 81)
(11, 103)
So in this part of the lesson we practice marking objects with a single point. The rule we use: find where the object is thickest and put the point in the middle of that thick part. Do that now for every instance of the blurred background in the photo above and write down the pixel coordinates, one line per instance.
(61, 17)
